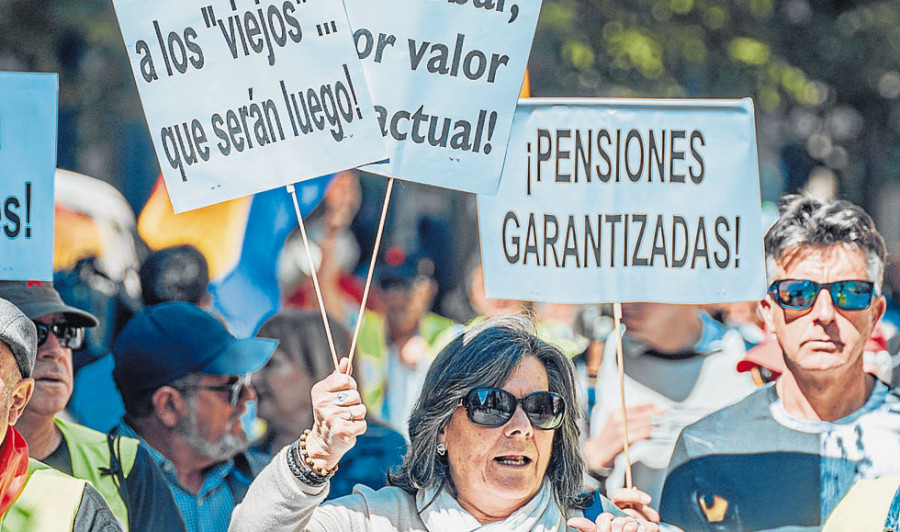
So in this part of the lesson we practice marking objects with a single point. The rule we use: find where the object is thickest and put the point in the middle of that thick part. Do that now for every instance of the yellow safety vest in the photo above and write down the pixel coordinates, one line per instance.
(90, 455)
(48, 502)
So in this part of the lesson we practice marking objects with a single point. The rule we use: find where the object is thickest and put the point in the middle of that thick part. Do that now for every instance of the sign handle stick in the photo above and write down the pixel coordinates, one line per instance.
(617, 317)
(315, 278)
(362, 307)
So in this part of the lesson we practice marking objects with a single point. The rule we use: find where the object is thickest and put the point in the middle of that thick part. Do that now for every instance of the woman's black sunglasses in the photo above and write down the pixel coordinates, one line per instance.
(493, 407)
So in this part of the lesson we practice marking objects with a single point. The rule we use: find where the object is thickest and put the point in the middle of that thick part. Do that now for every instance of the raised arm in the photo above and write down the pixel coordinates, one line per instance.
(287, 493)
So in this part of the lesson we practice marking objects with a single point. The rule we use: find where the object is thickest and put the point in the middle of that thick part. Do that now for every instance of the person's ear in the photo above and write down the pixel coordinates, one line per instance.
(766, 307)
(879, 306)
(169, 405)
(18, 399)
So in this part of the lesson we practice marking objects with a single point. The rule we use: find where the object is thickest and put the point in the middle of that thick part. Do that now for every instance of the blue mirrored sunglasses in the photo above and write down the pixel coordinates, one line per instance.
(799, 294)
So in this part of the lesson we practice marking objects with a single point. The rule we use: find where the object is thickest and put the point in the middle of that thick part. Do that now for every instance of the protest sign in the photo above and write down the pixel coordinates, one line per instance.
(626, 200)
(444, 77)
(243, 96)
(28, 111)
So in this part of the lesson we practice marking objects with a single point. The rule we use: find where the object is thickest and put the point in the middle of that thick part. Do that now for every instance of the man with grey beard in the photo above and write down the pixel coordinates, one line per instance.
(184, 380)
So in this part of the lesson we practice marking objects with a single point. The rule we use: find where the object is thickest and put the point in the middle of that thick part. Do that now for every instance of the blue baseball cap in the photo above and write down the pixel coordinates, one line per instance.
(165, 342)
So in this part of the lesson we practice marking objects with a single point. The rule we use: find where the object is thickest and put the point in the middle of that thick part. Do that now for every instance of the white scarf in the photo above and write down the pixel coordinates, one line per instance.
(540, 514)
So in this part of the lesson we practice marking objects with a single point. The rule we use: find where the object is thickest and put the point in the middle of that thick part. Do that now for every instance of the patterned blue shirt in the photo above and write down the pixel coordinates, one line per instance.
(753, 466)
(210, 509)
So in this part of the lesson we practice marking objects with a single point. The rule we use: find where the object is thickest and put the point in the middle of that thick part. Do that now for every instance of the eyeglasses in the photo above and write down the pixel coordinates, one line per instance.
(68, 336)
(493, 407)
(234, 387)
(798, 294)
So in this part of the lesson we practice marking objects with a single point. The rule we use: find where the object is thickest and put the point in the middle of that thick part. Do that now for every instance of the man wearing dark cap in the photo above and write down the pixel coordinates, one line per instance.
(123, 473)
(185, 383)
(34, 497)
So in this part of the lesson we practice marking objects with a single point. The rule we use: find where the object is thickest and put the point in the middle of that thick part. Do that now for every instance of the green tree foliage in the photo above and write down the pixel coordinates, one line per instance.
(81, 42)
(824, 75)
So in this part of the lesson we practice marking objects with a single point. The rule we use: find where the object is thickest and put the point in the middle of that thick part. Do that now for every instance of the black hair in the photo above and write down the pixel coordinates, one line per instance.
(177, 273)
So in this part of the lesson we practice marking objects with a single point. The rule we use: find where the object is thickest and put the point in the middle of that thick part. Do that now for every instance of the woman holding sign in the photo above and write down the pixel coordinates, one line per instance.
(493, 446)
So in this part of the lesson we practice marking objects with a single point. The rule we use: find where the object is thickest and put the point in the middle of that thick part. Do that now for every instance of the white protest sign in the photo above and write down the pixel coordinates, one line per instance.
(626, 200)
(444, 76)
(28, 110)
(243, 96)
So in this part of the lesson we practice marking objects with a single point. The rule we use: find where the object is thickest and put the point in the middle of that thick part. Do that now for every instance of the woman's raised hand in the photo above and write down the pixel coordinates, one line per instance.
(340, 416)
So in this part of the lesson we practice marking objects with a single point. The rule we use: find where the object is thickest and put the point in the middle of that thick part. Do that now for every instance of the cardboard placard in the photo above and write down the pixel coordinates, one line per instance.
(445, 76)
(627, 200)
(244, 96)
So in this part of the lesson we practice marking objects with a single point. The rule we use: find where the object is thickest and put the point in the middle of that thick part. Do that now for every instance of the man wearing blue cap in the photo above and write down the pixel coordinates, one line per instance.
(184, 380)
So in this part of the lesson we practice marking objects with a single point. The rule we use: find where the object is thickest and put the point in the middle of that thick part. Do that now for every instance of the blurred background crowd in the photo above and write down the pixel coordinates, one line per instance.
(825, 79)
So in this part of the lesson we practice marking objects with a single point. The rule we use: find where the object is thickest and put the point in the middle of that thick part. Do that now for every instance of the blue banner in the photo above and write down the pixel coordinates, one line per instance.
(28, 110)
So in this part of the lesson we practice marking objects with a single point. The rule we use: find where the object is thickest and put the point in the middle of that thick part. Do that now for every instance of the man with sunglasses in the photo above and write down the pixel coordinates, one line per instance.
(34, 496)
(125, 476)
(184, 380)
(785, 456)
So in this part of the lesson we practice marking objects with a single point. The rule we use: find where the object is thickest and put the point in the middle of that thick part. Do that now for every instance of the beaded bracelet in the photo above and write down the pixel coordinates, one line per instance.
(307, 471)
(304, 455)
(305, 475)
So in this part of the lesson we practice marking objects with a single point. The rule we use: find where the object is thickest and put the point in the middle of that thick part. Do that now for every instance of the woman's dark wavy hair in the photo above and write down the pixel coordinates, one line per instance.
(486, 356)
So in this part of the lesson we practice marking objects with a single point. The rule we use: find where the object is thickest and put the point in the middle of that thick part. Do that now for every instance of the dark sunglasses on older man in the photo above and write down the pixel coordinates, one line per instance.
(493, 407)
(234, 387)
(799, 294)
(68, 336)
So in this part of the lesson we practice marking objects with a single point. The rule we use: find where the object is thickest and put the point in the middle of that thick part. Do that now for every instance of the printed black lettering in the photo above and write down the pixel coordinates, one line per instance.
(722, 263)
(676, 155)
(550, 240)
(562, 154)
(701, 247)
(513, 257)
(695, 152)
(635, 260)
(531, 246)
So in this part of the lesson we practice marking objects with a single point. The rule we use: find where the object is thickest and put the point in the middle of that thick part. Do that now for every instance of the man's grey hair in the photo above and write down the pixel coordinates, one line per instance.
(806, 221)
(486, 356)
